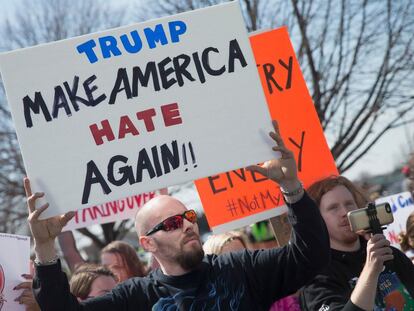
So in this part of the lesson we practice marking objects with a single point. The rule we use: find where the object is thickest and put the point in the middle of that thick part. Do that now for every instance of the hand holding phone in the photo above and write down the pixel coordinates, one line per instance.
(378, 253)
(361, 219)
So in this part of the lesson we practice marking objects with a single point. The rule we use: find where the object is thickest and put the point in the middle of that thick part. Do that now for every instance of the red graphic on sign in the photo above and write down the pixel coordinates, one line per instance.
(2, 283)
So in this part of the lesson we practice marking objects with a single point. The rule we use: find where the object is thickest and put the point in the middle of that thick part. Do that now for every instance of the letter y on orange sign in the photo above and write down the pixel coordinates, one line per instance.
(236, 199)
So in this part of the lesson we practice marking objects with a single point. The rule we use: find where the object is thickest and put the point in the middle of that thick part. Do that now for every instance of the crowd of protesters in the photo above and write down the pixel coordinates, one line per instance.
(325, 266)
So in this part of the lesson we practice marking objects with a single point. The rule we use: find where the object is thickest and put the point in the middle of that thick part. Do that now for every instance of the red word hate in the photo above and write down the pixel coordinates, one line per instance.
(126, 126)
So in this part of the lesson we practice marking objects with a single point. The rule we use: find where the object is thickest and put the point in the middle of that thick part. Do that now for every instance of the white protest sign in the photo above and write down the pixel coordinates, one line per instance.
(402, 205)
(108, 115)
(125, 208)
(14, 261)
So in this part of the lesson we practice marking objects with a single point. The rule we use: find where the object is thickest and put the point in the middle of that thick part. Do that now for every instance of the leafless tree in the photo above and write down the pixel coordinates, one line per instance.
(359, 64)
(32, 23)
(11, 168)
(356, 56)
(258, 13)
(35, 22)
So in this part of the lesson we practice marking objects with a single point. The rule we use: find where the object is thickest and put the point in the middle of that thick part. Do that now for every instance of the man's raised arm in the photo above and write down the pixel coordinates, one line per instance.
(50, 285)
(282, 271)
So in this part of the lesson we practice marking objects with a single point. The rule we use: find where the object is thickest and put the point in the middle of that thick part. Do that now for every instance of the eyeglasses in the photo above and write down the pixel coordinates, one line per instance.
(174, 222)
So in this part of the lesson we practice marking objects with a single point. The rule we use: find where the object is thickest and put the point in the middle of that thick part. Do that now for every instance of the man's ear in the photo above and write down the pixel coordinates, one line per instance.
(147, 243)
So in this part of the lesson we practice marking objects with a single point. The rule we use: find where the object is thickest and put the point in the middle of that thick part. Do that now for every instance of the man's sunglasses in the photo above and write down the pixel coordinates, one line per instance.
(174, 222)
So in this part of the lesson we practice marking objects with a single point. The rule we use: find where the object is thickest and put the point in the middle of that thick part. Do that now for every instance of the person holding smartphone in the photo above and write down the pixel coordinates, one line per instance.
(188, 280)
(358, 277)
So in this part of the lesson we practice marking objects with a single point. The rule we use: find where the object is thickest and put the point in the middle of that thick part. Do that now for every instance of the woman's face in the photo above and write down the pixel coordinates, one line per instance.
(411, 240)
(114, 262)
(101, 285)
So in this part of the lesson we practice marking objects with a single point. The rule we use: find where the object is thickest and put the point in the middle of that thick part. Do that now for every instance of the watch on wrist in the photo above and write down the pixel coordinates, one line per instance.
(293, 192)
(46, 263)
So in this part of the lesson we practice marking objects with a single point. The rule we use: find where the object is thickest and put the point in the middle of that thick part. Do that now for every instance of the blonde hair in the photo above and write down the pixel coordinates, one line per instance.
(83, 277)
(216, 242)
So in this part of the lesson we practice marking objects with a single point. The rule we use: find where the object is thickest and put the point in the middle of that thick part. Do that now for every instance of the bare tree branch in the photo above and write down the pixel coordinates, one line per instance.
(47, 20)
(100, 244)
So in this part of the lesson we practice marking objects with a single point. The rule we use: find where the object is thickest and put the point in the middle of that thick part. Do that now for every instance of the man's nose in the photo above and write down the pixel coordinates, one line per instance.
(187, 225)
(344, 210)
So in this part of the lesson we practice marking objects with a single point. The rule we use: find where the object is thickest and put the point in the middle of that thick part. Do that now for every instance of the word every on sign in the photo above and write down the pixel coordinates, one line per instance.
(110, 46)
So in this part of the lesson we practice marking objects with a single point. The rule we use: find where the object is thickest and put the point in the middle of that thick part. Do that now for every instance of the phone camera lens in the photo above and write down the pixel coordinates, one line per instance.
(387, 208)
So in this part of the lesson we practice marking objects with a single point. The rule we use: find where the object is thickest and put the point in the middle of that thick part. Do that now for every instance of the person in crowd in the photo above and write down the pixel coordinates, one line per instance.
(231, 241)
(405, 184)
(69, 250)
(411, 174)
(356, 278)
(91, 280)
(26, 297)
(188, 280)
(406, 238)
(122, 260)
(118, 256)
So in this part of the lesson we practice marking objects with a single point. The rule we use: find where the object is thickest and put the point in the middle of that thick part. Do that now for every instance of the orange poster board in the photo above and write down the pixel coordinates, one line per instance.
(238, 198)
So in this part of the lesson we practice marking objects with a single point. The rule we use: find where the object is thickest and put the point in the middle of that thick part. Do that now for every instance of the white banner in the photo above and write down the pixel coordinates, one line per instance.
(402, 205)
(14, 261)
(111, 211)
(108, 115)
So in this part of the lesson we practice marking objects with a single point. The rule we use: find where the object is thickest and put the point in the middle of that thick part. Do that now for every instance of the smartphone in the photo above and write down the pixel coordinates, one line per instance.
(359, 219)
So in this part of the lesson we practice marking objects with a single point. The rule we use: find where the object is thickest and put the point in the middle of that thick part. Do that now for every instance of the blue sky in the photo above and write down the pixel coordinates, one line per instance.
(387, 154)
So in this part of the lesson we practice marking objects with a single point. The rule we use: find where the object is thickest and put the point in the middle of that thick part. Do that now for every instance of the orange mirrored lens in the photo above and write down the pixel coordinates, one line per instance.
(191, 216)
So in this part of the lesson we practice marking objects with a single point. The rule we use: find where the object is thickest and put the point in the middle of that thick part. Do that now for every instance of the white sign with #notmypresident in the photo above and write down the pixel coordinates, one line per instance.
(103, 116)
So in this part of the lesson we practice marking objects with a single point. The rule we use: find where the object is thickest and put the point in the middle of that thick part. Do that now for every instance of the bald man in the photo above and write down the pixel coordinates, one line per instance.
(188, 280)
(173, 246)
